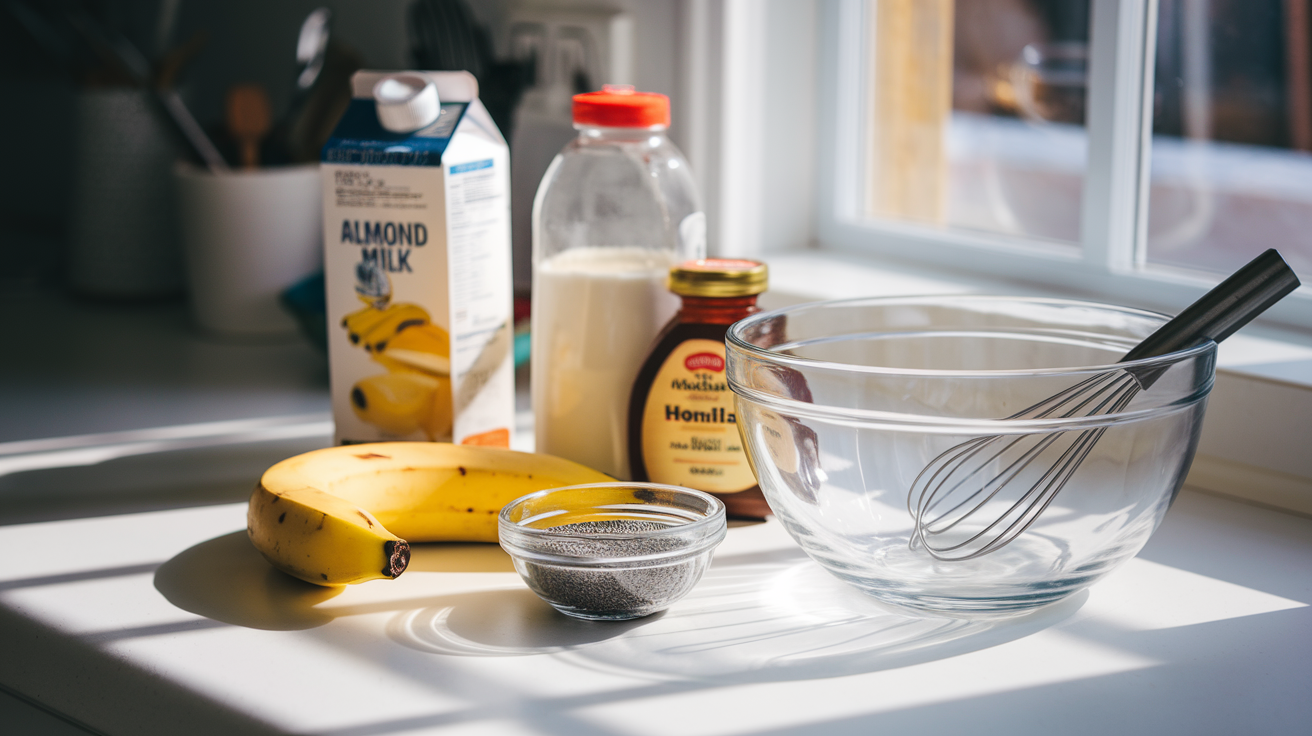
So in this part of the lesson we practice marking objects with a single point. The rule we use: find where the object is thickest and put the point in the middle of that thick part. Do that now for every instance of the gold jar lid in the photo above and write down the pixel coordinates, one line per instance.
(713, 277)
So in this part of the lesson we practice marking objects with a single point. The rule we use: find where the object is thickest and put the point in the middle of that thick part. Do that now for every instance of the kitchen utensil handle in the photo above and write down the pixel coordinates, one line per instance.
(183, 122)
(1232, 304)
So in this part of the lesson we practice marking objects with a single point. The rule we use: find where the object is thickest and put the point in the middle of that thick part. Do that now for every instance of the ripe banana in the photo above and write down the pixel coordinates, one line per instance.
(332, 517)
(321, 538)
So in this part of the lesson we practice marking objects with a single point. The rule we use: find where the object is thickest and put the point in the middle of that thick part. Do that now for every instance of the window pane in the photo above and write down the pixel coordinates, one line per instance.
(976, 117)
(1232, 125)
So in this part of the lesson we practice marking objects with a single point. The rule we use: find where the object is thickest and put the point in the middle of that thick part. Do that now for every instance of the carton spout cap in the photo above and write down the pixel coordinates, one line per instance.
(406, 102)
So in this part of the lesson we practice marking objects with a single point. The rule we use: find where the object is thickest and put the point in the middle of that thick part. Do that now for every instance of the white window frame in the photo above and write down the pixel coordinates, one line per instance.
(772, 117)
(1110, 261)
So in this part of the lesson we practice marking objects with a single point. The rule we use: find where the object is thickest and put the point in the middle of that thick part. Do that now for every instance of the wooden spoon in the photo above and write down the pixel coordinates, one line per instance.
(249, 120)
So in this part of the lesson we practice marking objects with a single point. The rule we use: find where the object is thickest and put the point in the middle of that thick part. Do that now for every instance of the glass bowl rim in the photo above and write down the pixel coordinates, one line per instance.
(768, 355)
(708, 531)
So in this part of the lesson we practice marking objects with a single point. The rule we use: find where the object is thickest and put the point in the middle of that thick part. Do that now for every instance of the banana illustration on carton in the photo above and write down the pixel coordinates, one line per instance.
(421, 348)
(403, 403)
(371, 328)
(414, 395)
(349, 514)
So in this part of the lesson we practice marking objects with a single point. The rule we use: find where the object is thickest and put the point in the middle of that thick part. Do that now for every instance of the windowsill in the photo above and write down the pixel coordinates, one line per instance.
(1253, 445)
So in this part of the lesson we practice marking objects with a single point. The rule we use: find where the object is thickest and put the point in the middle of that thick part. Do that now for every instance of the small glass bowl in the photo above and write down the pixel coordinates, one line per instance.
(612, 551)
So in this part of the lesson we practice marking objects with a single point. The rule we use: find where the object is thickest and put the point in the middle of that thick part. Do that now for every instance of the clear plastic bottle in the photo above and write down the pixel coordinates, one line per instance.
(615, 211)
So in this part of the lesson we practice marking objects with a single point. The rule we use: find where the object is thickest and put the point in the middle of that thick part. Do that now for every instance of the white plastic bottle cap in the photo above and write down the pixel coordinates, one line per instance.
(406, 102)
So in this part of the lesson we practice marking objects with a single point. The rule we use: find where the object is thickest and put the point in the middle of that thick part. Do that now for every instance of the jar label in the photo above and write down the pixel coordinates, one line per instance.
(689, 429)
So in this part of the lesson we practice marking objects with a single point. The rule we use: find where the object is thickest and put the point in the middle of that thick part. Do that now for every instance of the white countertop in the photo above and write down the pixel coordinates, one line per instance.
(88, 367)
(131, 602)
(169, 622)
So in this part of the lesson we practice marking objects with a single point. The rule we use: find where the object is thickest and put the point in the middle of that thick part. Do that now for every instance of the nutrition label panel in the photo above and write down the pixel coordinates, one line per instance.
(361, 188)
(478, 225)
(477, 218)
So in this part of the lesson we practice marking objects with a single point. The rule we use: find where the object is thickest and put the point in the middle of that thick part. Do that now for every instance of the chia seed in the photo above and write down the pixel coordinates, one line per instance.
(615, 593)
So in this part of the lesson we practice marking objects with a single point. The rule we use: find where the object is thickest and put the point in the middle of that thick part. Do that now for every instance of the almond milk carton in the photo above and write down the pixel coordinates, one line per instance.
(417, 263)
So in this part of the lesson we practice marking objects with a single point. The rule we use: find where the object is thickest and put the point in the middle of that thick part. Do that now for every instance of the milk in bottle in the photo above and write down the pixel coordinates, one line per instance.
(616, 209)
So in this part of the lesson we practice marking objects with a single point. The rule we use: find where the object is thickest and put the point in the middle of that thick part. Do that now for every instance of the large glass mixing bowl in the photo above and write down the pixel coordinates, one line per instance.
(844, 405)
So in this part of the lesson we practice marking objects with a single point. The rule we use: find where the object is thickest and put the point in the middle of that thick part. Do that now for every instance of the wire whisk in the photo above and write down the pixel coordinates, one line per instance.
(964, 503)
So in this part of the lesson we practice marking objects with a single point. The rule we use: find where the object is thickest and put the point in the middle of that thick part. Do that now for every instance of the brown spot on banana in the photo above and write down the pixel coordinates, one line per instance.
(462, 470)
(365, 516)
(373, 456)
(322, 519)
(282, 517)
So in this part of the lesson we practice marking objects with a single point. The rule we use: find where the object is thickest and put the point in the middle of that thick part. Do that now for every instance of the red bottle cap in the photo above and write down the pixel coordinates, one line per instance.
(619, 106)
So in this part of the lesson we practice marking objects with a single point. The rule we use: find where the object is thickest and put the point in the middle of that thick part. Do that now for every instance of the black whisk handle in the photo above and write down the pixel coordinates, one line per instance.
(1217, 314)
